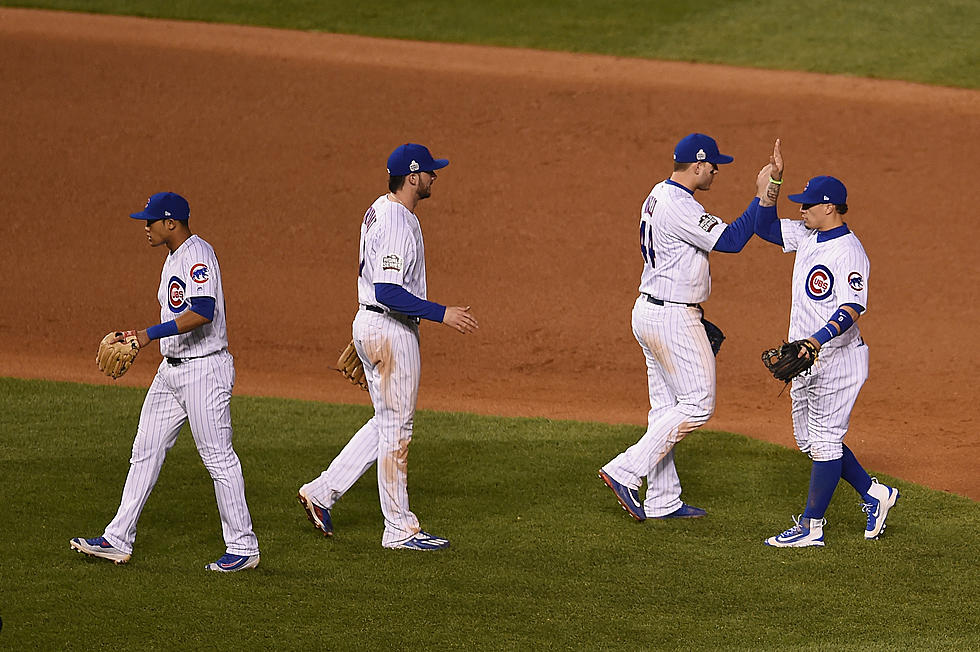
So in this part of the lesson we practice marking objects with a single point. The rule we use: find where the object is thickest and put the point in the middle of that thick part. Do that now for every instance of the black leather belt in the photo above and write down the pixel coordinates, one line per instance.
(393, 315)
(174, 362)
(658, 302)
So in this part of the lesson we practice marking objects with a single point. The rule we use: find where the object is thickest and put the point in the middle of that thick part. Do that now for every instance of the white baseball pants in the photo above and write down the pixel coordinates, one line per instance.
(197, 391)
(389, 349)
(823, 400)
(681, 384)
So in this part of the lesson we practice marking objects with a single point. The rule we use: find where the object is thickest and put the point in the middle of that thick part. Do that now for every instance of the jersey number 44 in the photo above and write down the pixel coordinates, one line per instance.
(646, 244)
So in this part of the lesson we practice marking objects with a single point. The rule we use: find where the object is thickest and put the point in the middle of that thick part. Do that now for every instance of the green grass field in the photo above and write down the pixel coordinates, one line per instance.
(915, 40)
(542, 556)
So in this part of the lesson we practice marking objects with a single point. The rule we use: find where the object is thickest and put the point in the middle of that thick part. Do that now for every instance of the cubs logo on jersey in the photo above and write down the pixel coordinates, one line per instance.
(856, 281)
(176, 295)
(819, 283)
(200, 273)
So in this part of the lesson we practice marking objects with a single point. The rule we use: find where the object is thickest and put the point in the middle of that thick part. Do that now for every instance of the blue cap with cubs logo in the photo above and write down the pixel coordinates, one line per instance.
(821, 190)
(699, 148)
(164, 206)
(410, 158)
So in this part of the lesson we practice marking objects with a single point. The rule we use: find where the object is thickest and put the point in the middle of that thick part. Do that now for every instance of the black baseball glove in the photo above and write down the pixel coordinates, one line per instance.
(787, 362)
(715, 336)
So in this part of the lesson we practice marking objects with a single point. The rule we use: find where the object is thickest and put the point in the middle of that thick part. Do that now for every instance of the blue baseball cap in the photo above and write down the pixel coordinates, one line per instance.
(822, 190)
(698, 148)
(410, 158)
(164, 206)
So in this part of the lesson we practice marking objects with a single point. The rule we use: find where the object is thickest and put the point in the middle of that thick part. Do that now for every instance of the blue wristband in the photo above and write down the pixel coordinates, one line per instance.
(824, 335)
(166, 329)
(843, 320)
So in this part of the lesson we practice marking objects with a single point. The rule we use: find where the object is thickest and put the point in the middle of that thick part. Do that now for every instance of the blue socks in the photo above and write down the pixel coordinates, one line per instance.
(855, 475)
(823, 481)
(824, 477)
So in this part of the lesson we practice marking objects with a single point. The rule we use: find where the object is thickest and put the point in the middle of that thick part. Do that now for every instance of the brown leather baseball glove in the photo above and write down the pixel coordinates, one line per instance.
(117, 352)
(786, 362)
(349, 364)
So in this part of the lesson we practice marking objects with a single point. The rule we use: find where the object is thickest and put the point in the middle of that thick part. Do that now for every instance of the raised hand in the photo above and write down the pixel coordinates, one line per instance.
(776, 162)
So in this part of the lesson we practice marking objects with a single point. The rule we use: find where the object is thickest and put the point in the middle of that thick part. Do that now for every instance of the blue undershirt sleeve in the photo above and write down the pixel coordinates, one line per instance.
(767, 225)
(204, 306)
(739, 232)
(401, 300)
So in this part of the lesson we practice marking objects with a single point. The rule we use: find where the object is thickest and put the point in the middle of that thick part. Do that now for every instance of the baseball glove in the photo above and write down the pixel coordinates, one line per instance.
(785, 363)
(349, 364)
(715, 336)
(115, 356)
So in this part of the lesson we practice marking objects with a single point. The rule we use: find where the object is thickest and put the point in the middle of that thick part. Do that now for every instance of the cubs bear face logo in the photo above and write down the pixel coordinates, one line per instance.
(176, 292)
(819, 283)
(200, 273)
(856, 281)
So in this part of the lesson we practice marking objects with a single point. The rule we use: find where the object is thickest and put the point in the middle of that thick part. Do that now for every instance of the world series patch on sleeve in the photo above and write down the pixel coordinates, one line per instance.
(115, 355)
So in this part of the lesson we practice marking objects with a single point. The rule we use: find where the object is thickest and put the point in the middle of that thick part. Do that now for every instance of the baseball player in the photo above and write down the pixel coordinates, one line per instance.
(830, 293)
(193, 384)
(391, 290)
(676, 236)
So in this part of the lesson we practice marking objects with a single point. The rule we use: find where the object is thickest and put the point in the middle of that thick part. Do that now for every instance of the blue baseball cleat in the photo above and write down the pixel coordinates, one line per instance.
(685, 511)
(628, 498)
(883, 498)
(319, 516)
(422, 541)
(230, 563)
(99, 547)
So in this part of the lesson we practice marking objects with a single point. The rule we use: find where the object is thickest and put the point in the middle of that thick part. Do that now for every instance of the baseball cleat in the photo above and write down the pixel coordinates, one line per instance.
(883, 498)
(684, 511)
(805, 532)
(628, 498)
(230, 563)
(422, 541)
(319, 516)
(99, 547)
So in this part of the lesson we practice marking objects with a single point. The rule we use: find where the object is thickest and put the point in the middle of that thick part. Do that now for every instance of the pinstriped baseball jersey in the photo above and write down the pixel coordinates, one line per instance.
(391, 250)
(828, 272)
(195, 391)
(192, 271)
(676, 234)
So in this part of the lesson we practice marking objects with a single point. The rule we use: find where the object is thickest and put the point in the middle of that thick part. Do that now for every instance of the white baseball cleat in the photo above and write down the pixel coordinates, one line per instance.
(805, 532)
(99, 547)
(883, 498)
(422, 541)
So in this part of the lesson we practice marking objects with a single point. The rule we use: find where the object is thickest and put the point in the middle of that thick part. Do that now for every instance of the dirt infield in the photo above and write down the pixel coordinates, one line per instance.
(279, 140)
